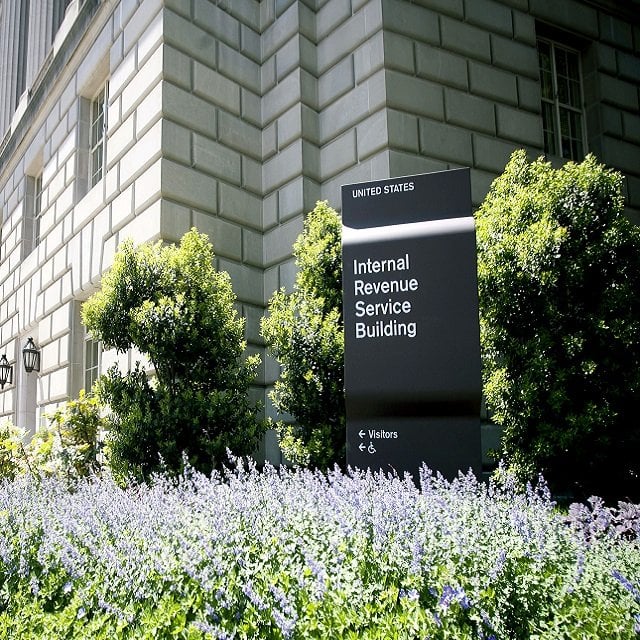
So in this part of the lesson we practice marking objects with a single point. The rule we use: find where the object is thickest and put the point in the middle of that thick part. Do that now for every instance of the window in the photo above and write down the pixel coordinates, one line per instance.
(22, 48)
(59, 8)
(92, 359)
(32, 214)
(37, 209)
(97, 137)
(562, 101)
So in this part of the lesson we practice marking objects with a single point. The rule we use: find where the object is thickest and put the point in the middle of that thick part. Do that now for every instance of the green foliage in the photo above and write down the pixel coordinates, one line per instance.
(68, 448)
(11, 450)
(304, 331)
(559, 276)
(71, 446)
(295, 554)
(171, 304)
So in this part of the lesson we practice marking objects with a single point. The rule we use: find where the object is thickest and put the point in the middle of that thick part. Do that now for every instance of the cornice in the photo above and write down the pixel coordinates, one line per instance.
(627, 9)
(39, 92)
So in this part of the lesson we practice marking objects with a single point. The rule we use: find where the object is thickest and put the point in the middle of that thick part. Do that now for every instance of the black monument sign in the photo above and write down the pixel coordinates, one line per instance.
(412, 352)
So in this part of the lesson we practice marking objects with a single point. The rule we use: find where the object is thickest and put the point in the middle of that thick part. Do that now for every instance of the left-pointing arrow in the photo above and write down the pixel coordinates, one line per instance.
(361, 433)
(362, 446)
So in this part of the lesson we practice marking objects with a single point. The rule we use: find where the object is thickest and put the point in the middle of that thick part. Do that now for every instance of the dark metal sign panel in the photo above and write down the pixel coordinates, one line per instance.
(412, 354)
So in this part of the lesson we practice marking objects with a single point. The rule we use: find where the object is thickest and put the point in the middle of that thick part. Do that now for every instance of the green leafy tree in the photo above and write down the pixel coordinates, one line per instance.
(71, 445)
(304, 331)
(559, 278)
(68, 448)
(171, 304)
(12, 452)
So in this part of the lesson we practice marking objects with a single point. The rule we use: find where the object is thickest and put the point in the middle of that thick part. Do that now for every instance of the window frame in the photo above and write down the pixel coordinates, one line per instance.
(91, 361)
(98, 110)
(569, 139)
(59, 11)
(32, 212)
(36, 213)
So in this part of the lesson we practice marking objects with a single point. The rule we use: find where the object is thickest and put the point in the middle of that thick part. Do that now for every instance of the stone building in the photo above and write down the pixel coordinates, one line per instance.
(143, 118)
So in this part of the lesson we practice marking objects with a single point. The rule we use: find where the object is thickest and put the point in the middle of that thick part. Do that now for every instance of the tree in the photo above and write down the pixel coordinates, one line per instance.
(559, 278)
(70, 447)
(304, 331)
(12, 456)
(171, 304)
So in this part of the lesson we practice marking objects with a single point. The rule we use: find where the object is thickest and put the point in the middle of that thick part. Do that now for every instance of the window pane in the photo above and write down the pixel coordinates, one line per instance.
(96, 137)
(37, 199)
(576, 150)
(98, 102)
(91, 363)
(575, 120)
(548, 126)
(561, 90)
(575, 97)
(573, 65)
(546, 76)
(571, 128)
(92, 353)
(544, 55)
(561, 61)
(96, 165)
(568, 73)
(96, 131)
(546, 80)
(565, 127)
(37, 209)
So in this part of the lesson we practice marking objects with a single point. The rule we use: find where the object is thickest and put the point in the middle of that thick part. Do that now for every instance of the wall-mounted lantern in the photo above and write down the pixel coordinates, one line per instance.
(31, 356)
(6, 372)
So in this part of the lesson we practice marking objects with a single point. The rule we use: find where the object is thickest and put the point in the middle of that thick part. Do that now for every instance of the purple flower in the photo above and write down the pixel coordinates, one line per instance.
(253, 597)
(261, 546)
(454, 594)
(285, 624)
(411, 594)
(632, 589)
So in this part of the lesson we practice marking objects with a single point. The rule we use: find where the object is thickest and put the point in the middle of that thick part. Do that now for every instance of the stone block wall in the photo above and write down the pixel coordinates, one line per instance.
(236, 117)
(472, 67)
(41, 286)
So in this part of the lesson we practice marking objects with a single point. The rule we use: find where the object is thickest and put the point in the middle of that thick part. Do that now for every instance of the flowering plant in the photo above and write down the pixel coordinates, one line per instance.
(285, 553)
(69, 447)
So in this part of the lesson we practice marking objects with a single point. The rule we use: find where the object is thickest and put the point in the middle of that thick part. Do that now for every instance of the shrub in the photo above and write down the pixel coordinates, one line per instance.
(171, 304)
(11, 450)
(71, 445)
(304, 331)
(69, 448)
(595, 520)
(559, 276)
(301, 554)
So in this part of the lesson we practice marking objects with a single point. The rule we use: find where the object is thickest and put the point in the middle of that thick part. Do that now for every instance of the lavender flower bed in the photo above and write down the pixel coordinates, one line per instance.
(284, 554)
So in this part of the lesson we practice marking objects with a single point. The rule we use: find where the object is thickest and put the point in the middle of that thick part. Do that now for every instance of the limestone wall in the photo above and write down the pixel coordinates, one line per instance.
(237, 116)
